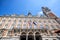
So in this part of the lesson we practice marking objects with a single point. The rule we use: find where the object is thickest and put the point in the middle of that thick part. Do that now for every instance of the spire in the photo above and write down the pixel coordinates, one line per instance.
(29, 13)
(46, 9)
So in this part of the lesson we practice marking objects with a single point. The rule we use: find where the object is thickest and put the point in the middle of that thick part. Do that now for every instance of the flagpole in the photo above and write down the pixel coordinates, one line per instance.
(27, 27)
(32, 25)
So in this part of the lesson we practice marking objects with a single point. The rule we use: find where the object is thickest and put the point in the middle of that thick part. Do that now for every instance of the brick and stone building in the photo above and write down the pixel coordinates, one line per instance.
(29, 27)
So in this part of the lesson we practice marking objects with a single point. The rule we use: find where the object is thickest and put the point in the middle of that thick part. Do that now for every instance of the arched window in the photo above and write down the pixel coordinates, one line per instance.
(41, 26)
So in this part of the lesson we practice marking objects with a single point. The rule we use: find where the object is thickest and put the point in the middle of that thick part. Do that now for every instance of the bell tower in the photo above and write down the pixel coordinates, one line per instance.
(48, 12)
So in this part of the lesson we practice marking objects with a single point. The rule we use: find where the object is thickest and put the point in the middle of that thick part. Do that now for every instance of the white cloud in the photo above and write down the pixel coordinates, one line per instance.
(40, 12)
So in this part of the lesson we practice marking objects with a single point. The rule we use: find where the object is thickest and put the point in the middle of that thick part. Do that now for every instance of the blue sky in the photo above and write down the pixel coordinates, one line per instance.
(24, 6)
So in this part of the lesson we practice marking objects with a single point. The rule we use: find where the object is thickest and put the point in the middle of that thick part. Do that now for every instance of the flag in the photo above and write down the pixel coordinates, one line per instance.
(34, 23)
(30, 24)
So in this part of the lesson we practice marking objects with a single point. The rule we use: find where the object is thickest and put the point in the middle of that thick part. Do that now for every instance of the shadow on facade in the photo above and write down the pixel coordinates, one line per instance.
(58, 37)
(23, 36)
(38, 36)
(30, 36)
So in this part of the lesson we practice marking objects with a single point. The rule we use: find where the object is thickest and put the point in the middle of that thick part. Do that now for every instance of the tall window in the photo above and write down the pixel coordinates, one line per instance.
(54, 21)
(44, 21)
(11, 27)
(14, 20)
(49, 21)
(58, 26)
(52, 27)
(39, 21)
(0, 24)
(19, 20)
(6, 26)
(30, 24)
(35, 27)
(3, 20)
(24, 26)
(18, 26)
(9, 20)
(47, 27)
(41, 26)
(24, 20)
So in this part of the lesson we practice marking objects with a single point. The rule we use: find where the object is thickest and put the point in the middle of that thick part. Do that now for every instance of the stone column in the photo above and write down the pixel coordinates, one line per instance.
(34, 37)
(48, 32)
(27, 37)
(20, 37)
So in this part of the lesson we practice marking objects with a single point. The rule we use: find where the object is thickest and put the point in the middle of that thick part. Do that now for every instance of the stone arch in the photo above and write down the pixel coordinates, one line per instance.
(37, 33)
(30, 33)
(30, 36)
(23, 33)
(23, 36)
(38, 36)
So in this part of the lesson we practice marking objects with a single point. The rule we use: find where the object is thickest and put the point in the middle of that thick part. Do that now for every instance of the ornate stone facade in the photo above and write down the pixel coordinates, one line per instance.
(29, 27)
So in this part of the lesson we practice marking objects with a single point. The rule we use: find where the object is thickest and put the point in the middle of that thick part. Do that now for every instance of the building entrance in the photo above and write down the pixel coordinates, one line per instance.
(23, 36)
(30, 37)
(38, 36)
